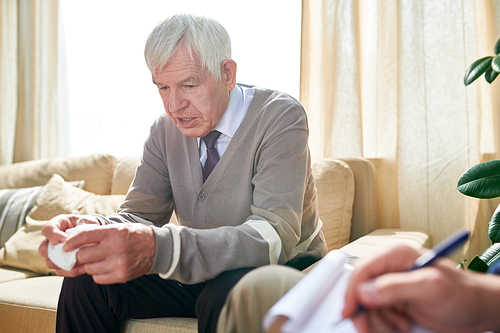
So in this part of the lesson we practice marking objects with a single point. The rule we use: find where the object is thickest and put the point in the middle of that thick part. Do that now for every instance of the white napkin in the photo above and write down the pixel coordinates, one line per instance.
(66, 260)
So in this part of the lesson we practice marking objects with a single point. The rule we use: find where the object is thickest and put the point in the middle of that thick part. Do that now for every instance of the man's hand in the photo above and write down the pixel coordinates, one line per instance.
(55, 233)
(114, 253)
(440, 297)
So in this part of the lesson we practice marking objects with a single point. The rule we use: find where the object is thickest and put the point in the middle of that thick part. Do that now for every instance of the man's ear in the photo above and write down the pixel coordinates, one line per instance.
(228, 69)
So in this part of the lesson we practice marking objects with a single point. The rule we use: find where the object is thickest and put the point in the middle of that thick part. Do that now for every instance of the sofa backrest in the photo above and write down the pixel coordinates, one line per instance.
(96, 170)
(347, 195)
(347, 188)
(124, 174)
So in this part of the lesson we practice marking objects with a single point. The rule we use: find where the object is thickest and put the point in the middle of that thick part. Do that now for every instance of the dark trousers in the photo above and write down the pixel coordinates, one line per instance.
(88, 307)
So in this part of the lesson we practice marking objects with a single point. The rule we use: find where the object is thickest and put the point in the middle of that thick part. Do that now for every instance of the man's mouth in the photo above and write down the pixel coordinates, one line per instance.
(186, 119)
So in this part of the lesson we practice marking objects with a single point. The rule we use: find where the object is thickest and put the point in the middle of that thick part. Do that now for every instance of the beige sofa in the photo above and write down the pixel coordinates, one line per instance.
(347, 193)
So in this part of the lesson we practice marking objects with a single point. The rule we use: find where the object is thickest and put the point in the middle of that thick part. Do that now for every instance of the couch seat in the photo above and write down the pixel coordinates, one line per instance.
(28, 305)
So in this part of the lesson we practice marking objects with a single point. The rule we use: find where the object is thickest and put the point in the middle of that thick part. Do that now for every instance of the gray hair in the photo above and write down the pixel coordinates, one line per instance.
(204, 37)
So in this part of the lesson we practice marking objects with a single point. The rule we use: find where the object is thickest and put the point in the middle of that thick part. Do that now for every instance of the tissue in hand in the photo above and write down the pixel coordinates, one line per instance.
(66, 260)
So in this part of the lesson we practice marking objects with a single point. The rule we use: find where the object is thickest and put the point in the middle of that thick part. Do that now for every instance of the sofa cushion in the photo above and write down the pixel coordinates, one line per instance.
(15, 204)
(29, 305)
(381, 239)
(97, 171)
(335, 184)
(21, 250)
(12, 274)
(57, 197)
(124, 174)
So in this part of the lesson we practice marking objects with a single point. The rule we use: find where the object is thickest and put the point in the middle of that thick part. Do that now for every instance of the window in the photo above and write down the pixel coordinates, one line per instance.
(111, 99)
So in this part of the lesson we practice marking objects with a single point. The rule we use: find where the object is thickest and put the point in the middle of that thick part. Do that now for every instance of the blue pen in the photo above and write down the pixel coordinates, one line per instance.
(444, 248)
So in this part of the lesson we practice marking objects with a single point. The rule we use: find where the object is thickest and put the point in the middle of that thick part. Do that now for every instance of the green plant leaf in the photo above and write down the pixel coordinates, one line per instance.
(497, 47)
(494, 226)
(476, 69)
(477, 265)
(495, 64)
(481, 181)
(490, 75)
(491, 254)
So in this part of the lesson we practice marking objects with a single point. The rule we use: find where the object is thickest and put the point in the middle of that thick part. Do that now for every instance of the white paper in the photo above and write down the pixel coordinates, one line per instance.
(303, 303)
(315, 303)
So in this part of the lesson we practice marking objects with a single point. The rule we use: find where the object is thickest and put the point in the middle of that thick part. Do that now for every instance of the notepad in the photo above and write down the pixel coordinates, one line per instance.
(315, 303)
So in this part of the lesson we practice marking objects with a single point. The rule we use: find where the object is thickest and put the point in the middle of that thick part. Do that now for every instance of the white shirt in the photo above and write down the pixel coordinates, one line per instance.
(240, 99)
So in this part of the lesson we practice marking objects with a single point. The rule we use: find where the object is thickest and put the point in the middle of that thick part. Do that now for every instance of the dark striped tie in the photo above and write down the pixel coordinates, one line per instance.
(212, 154)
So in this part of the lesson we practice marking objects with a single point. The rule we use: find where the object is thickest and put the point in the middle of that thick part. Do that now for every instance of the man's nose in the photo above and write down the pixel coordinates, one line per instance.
(177, 101)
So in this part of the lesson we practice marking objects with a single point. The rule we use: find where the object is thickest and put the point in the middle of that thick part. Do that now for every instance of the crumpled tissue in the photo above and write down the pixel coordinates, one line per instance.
(63, 259)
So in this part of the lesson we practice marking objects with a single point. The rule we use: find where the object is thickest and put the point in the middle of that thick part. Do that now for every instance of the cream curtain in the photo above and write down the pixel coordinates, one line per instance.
(30, 102)
(383, 79)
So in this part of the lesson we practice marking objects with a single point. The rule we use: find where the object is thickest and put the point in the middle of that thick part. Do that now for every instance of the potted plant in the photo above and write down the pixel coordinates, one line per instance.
(483, 180)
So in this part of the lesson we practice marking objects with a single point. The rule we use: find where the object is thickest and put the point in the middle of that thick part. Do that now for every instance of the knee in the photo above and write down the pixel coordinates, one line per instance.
(267, 281)
(254, 295)
(77, 284)
(79, 290)
(264, 286)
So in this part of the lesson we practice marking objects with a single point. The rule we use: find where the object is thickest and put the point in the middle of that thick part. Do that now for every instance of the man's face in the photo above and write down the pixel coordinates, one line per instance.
(192, 98)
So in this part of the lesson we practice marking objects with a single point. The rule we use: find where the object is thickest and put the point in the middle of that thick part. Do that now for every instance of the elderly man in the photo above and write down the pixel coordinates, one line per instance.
(231, 160)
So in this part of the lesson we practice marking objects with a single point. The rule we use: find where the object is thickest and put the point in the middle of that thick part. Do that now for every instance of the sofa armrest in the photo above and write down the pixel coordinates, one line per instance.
(381, 239)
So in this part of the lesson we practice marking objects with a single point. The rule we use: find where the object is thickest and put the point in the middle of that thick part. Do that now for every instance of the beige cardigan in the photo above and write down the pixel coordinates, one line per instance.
(258, 206)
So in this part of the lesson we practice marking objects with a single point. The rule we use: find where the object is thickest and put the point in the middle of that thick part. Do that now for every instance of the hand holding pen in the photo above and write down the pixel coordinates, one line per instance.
(439, 296)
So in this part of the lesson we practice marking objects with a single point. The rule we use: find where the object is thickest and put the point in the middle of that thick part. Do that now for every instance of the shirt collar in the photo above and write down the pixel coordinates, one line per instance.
(232, 117)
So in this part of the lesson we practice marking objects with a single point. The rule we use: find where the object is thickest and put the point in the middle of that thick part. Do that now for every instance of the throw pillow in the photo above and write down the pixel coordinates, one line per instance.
(21, 250)
(15, 204)
(57, 197)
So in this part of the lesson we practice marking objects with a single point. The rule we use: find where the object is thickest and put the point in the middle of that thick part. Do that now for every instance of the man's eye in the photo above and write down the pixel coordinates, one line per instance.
(190, 86)
(164, 88)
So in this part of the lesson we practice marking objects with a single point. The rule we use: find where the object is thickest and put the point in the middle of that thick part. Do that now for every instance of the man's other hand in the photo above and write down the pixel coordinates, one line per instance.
(114, 253)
